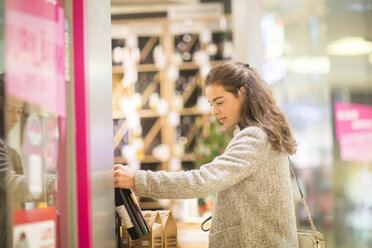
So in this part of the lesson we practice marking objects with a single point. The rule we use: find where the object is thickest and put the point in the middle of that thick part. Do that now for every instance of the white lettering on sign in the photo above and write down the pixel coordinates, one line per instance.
(361, 124)
(47, 233)
(54, 2)
(35, 56)
(34, 48)
(345, 115)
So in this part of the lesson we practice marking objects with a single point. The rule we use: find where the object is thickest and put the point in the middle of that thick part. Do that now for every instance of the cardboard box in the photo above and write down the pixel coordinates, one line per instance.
(169, 229)
(155, 238)
(126, 241)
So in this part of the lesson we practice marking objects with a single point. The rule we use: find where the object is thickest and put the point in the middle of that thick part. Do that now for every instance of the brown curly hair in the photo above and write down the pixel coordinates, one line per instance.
(259, 108)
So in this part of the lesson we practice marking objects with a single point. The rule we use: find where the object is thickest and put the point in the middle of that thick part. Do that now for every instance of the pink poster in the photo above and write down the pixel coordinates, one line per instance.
(35, 53)
(353, 124)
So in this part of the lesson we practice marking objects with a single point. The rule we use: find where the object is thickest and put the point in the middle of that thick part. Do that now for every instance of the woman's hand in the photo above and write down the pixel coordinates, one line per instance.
(123, 176)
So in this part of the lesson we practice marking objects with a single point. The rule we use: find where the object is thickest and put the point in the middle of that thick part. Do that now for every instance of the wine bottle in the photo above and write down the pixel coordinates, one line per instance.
(130, 212)
(117, 229)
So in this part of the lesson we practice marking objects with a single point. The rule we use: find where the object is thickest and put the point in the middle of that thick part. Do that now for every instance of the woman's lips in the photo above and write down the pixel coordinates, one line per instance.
(222, 119)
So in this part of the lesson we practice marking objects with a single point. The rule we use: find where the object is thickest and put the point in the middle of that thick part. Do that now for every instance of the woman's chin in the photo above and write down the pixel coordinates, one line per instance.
(226, 125)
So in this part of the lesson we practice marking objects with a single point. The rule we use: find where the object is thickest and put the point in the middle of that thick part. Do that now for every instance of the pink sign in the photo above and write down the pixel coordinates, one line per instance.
(353, 124)
(35, 53)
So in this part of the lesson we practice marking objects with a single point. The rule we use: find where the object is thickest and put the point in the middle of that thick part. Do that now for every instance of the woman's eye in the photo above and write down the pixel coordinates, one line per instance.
(219, 103)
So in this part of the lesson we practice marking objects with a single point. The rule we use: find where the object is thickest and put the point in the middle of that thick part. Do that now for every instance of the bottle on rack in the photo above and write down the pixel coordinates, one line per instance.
(127, 207)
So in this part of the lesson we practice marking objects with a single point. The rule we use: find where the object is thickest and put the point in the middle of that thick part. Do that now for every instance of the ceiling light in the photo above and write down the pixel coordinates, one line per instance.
(350, 46)
(309, 64)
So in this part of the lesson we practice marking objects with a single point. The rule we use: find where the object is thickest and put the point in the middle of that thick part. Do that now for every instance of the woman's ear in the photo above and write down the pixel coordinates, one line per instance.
(243, 91)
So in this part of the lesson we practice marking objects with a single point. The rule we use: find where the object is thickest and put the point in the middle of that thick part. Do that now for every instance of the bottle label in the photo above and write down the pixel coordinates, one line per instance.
(134, 199)
(125, 216)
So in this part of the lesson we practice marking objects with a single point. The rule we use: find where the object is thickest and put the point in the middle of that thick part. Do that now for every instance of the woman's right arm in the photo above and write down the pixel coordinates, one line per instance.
(243, 155)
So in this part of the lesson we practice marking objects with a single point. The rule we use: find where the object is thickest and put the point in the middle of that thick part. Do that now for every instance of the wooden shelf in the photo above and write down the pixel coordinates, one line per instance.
(151, 159)
(190, 111)
(161, 31)
(193, 66)
(188, 157)
(143, 113)
(149, 113)
(165, 20)
(154, 205)
(118, 69)
(147, 159)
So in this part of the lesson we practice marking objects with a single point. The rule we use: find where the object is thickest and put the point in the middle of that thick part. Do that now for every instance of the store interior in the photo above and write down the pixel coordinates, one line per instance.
(312, 53)
(151, 60)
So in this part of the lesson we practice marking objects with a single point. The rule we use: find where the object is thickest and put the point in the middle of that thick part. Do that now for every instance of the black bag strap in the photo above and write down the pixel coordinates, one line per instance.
(205, 221)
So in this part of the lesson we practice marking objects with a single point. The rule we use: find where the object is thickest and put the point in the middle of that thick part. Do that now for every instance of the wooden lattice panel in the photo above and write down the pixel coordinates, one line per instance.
(155, 128)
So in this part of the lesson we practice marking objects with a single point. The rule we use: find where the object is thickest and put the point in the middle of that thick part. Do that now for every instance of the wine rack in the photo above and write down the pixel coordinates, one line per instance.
(152, 79)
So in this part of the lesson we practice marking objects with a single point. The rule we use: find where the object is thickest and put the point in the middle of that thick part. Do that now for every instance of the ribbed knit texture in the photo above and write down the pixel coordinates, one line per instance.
(4, 220)
(254, 204)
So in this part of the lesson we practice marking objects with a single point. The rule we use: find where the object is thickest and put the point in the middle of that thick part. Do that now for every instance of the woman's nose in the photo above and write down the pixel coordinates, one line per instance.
(215, 111)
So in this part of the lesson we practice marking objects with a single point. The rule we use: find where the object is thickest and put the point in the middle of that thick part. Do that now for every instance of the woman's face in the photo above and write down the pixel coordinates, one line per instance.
(13, 108)
(225, 105)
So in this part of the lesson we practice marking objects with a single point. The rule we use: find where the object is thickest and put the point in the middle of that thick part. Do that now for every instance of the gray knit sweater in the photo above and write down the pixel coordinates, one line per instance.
(254, 204)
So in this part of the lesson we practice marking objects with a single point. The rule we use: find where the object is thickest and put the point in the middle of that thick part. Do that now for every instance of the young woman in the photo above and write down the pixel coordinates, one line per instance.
(254, 205)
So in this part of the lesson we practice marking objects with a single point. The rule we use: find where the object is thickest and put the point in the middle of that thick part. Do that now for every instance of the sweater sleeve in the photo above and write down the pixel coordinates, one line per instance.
(14, 183)
(3, 166)
(241, 158)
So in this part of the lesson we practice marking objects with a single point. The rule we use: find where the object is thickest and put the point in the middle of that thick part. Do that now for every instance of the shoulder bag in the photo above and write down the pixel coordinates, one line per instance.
(307, 238)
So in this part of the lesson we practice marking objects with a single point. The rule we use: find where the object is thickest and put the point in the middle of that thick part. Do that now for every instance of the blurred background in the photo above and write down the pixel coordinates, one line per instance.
(315, 54)
(88, 79)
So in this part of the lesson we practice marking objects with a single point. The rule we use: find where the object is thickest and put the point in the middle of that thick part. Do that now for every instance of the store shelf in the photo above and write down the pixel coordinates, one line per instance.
(149, 113)
(151, 159)
(147, 159)
(153, 80)
(118, 69)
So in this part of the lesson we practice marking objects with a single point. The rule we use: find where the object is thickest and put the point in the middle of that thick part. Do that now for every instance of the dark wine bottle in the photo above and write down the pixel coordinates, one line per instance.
(117, 229)
(126, 205)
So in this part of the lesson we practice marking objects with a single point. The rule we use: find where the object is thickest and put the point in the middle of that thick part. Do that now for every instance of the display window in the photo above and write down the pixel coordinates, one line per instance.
(36, 71)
